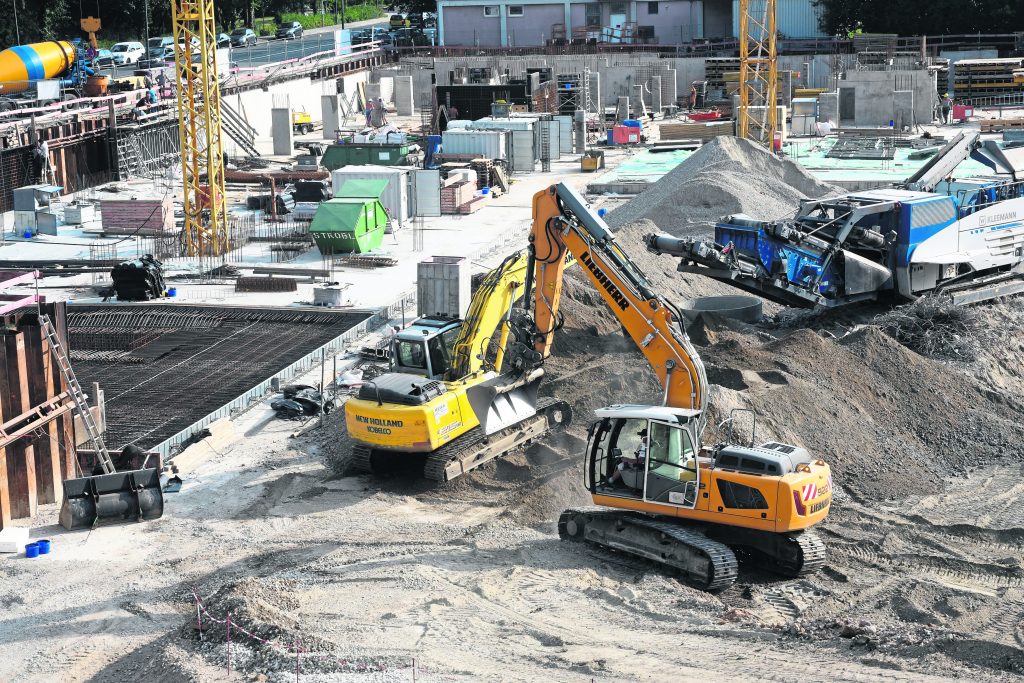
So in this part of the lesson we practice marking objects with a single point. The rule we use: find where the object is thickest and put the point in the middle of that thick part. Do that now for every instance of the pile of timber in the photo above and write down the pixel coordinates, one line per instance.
(696, 130)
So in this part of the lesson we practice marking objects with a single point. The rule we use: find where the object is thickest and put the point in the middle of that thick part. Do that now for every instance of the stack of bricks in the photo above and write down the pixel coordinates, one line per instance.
(455, 195)
(474, 204)
(153, 216)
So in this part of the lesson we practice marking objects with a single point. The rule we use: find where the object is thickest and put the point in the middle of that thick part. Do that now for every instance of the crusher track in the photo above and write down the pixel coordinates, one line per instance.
(474, 448)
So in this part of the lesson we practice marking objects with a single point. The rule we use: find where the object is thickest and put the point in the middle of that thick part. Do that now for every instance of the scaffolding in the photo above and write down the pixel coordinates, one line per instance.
(757, 118)
(199, 125)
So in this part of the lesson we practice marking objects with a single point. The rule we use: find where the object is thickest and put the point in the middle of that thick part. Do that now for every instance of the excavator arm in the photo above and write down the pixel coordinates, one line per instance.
(488, 308)
(563, 222)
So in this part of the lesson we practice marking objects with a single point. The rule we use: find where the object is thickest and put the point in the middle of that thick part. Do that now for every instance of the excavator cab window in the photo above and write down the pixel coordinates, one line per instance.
(411, 355)
(673, 475)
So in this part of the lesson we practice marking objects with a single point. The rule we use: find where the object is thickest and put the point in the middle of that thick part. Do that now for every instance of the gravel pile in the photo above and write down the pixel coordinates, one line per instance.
(726, 176)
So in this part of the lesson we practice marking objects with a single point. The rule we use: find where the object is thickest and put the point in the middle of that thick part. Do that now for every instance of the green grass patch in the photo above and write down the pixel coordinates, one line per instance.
(352, 13)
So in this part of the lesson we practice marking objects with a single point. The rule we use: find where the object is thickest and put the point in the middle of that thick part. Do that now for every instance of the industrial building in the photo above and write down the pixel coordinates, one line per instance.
(667, 22)
(384, 352)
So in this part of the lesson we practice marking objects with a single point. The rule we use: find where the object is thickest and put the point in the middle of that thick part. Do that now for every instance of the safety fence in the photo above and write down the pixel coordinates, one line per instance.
(205, 620)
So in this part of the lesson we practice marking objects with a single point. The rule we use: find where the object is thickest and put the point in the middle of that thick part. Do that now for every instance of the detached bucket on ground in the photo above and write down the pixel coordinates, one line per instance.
(746, 309)
(106, 499)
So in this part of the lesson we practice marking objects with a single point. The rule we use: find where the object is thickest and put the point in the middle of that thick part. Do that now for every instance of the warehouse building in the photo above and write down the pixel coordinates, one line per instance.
(525, 23)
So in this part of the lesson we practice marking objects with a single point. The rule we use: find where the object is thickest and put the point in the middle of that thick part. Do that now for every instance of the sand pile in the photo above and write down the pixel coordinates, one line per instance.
(726, 176)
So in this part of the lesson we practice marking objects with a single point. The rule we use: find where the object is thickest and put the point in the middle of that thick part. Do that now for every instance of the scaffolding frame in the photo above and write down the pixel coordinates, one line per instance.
(199, 128)
(757, 118)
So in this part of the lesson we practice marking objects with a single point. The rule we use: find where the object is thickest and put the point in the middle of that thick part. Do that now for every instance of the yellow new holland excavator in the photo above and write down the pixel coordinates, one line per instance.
(662, 493)
(422, 411)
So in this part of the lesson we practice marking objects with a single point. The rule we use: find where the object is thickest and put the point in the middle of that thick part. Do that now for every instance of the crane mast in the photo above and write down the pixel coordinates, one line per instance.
(199, 128)
(757, 118)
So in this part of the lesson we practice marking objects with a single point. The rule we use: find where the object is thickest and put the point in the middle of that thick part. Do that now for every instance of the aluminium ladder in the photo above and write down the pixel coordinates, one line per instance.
(81, 402)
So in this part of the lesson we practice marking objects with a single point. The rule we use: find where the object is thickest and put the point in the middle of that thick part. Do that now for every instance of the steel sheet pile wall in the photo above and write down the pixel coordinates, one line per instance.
(37, 447)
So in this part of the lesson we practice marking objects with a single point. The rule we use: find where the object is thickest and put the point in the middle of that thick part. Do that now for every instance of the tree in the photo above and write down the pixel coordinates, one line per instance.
(921, 17)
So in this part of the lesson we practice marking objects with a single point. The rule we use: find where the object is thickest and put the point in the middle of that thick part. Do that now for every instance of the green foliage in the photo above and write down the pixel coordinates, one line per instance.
(352, 13)
(922, 17)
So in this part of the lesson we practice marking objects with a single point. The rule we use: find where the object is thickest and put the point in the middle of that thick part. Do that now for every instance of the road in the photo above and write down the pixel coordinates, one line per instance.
(269, 51)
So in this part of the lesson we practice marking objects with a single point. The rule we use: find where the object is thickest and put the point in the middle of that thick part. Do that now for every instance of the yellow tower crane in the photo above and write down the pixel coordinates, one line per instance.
(202, 159)
(757, 118)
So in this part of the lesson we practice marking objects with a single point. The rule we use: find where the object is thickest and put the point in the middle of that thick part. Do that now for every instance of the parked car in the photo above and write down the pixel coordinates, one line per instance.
(415, 20)
(128, 53)
(157, 57)
(243, 37)
(397, 21)
(414, 37)
(104, 59)
(159, 43)
(289, 31)
(223, 40)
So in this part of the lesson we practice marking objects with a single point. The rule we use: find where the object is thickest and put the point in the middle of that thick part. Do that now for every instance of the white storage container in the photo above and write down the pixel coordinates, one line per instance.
(79, 213)
(395, 197)
(523, 156)
(489, 144)
(459, 124)
(25, 220)
(491, 123)
(564, 134)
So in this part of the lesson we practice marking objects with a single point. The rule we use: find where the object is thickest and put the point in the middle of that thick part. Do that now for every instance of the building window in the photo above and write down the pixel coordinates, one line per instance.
(515, 10)
(490, 10)
(593, 13)
(652, 8)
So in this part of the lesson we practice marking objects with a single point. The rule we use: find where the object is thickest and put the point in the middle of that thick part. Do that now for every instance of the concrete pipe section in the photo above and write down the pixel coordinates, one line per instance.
(737, 307)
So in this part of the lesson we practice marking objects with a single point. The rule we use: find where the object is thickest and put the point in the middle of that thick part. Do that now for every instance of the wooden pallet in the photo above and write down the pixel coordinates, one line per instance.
(998, 125)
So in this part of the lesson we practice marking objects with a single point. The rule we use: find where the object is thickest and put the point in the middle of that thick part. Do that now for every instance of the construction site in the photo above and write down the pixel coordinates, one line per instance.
(596, 342)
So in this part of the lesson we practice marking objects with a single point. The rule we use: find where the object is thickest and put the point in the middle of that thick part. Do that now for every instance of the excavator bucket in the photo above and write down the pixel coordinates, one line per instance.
(105, 499)
(499, 403)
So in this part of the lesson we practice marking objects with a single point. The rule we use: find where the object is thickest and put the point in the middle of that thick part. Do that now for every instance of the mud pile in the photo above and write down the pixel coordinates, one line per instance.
(726, 176)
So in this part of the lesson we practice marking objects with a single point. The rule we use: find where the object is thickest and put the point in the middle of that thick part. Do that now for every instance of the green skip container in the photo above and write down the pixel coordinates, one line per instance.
(353, 223)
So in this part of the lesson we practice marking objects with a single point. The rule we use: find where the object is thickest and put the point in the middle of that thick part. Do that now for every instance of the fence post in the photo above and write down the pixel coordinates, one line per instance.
(199, 618)
(229, 644)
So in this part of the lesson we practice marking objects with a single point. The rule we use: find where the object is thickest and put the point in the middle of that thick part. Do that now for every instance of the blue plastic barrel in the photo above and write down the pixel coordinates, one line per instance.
(485, 190)
(601, 212)
(172, 291)
(44, 546)
(32, 550)
(632, 123)
(611, 136)
(28, 234)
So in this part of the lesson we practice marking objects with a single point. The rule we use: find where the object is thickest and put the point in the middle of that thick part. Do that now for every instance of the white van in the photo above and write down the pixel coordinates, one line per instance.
(128, 53)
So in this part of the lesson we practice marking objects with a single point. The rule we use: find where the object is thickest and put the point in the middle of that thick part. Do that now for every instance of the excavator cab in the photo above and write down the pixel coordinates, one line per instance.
(645, 453)
(426, 347)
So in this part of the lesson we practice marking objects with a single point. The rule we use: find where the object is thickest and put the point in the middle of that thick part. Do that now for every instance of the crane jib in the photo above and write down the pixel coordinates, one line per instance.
(617, 296)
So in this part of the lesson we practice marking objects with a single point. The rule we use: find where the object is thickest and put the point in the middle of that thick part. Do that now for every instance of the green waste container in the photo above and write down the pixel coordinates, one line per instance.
(349, 225)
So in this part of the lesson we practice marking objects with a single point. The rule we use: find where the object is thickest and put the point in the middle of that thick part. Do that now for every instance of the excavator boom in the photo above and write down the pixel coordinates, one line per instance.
(562, 221)
(675, 501)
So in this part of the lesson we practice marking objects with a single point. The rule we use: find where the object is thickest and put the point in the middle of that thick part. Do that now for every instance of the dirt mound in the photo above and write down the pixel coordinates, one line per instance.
(890, 422)
(726, 176)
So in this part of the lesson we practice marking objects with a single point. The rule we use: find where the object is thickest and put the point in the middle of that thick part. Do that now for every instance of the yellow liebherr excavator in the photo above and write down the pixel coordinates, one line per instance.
(675, 500)
(423, 411)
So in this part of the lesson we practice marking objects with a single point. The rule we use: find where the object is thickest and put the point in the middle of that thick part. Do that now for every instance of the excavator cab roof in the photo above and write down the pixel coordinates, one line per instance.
(642, 412)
